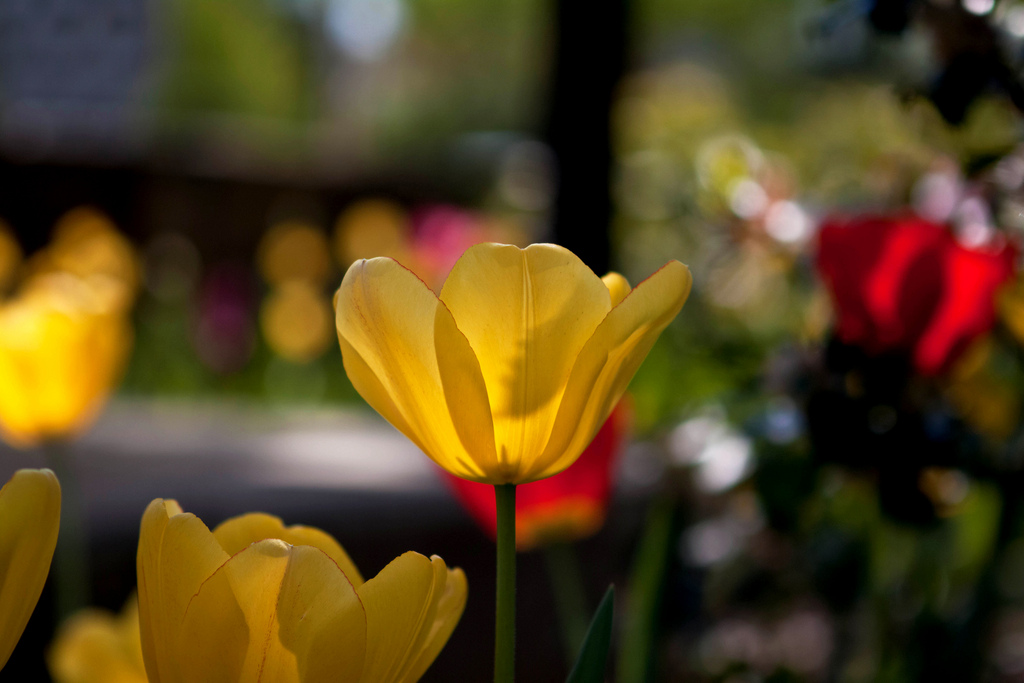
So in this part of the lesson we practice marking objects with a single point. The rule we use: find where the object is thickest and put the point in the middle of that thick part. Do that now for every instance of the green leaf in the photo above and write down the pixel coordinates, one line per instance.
(636, 653)
(593, 657)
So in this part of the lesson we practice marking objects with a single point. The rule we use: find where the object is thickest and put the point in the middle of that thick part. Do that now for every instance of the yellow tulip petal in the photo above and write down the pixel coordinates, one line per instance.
(386, 319)
(238, 533)
(296, 321)
(215, 641)
(402, 604)
(29, 521)
(373, 391)
(322, 619)
(128, 628)
(618, 287)
(59, 359)
(274, 612)
(465, 394)
(176, 554)
(527, 314)
(608, 362)
(449, 610)
(294, 250)
(86, 242)
(95, 646)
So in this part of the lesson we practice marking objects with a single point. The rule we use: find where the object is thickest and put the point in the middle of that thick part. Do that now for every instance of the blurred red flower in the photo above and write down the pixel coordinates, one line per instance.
(566, 507)
(903, 284)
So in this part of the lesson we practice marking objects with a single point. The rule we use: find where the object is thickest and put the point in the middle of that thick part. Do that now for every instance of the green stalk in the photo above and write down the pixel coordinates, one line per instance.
(505, 608)
(71, 557)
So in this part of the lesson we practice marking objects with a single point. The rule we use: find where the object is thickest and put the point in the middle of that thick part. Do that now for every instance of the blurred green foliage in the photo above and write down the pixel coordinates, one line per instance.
(241, 57)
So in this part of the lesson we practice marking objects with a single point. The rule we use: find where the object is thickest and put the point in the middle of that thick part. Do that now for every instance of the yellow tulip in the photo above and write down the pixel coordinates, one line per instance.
(29, 521)
(296, 321)
(293, 250)
(508, 374)
(255, 600)
(88, 245)
(95, 646)
(62, 348)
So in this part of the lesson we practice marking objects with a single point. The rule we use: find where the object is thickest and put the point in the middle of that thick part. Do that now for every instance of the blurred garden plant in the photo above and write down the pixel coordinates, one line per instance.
(254, 599)
(29, 523)
(902, 491)
(911, 302)
(506, 375)
(903, 285)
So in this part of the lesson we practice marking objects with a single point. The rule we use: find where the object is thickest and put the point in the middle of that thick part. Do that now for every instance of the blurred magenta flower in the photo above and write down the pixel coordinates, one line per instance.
(225, 325)
(903, 284)
(441, 234)
(566, 507)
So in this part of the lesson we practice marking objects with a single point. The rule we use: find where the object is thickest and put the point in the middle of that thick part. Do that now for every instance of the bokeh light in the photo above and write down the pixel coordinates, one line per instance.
(297, 321)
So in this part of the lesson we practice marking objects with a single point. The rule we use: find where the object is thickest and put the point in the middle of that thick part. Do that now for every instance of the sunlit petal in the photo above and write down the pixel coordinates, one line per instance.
(526, 313)
(386, 320)
(608, 362)
(516, 333)
(618, 287)
(562, 508)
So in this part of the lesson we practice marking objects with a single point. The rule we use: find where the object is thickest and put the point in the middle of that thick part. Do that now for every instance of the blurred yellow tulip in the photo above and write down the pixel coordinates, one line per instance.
(29, 521)
(372, 227)
(95, 646)
(87, 244)
(293, 250)
(296, 321)
(255, 600)
(62, 347)
(506, 377)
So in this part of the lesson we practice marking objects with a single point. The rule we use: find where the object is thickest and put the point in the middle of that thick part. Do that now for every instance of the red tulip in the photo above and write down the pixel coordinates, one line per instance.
(568, 506)
(904, 284)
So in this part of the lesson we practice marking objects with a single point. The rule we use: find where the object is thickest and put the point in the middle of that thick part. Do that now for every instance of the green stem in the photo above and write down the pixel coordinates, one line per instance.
(505, 608)
(570, 598)
(71, 557)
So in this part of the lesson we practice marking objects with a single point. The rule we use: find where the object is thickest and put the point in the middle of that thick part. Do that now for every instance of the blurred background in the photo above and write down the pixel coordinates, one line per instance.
(826, 465)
